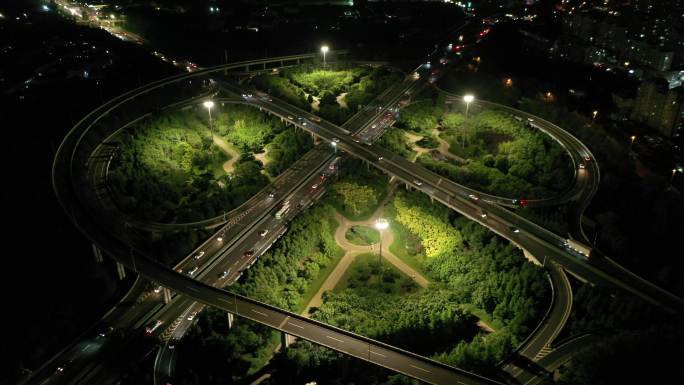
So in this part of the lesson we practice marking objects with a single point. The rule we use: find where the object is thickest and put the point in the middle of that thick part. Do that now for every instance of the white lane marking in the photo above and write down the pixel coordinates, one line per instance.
(283, 323)
(260, 313)
(193, 289)
(336, 339)
(295, 325)
(419, 368)
(380, 354)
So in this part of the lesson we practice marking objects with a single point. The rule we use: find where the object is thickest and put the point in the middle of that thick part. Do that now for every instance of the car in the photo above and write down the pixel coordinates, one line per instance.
(192, 315)
(290, 117)
(157, 289)
(582, 166)
(219, 239)
(59, 369)
(514, 229)
(172, 343)
(357, 140)
(199, 255)
(303, 123)
(249, 253)
(263, 232)
(587, 159)
(380, 158)
(193, 271)
(224, 273)
(105, 332)
(374, 126)
(514, 201)
(315, 118)
(314, 186)
(150, 329)
(473, 197)
(335, 140)
(524, 202)
(271, 195)
(417, 182)
(483, 214)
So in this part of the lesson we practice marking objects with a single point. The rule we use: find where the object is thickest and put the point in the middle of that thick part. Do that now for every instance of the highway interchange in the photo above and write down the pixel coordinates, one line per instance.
(242, 235)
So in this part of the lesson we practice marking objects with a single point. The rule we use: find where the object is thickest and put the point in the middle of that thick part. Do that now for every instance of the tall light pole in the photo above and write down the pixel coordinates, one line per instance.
(467, 99)
(381, 224)
(209, 104)
(324, 49)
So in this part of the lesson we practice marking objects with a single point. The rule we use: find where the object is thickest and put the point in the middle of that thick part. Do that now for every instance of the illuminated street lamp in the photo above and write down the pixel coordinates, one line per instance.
(631, 141)
(381, 224)
(508, 82)
(209, 104)
(674, 171)
(468, 99)
(324, 49)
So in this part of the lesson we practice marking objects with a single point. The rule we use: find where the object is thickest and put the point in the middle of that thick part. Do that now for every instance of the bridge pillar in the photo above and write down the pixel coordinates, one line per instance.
(121, 270)
(98, 254)
(230, 320)
(167, 295)
(285, 340)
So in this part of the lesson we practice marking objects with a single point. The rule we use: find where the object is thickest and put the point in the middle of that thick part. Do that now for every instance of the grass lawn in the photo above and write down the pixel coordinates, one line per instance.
(316, 284)
(362, 235)
(366, 275)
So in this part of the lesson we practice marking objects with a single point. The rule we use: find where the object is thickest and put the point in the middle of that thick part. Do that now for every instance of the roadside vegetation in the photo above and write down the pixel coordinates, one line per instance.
(334, 93)
(490, 151)
(474, 274)
(362, 235)
(358, 191)
(168, 168)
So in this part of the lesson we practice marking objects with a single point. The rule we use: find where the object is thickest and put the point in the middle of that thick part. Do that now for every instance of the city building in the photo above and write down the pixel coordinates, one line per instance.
(658, 106)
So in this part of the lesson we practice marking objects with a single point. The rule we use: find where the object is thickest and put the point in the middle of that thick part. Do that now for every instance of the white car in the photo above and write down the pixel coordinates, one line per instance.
(193, 271)
(192, 316)
(473, 197)
(263, 232)
(483, 214)
(380, 158)
(335, 140)
(418, 183)
(199, 255)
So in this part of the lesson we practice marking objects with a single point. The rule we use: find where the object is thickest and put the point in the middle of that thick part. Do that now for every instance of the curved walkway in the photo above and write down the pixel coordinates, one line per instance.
(229, 149)
(352, 250)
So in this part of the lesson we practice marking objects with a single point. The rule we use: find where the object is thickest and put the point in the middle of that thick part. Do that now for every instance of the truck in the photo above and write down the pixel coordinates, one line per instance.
(578, 248)
(283, 210)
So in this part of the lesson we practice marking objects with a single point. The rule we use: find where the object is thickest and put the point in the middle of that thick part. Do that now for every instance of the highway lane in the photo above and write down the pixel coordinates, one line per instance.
(592, 269)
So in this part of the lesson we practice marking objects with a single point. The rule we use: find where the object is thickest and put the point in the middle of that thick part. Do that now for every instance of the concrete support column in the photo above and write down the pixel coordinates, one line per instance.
(285, 340)
(167, 295)
(121, 270)
(98, 254)
(230, 320)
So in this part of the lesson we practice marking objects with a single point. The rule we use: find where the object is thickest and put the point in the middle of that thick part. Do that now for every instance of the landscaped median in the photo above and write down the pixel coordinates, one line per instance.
(490, 151)
(176, 168)
(334, 92)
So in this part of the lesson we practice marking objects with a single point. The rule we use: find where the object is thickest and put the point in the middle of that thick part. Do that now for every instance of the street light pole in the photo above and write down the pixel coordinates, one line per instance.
(324, 49)
(209, 104)
(381, 224)
(467, 99)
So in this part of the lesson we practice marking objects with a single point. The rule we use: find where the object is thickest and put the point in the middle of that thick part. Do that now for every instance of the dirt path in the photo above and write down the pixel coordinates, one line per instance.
(261, 157)
(352, 250)
(228, 148)
(443, 146)
(341, 100)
